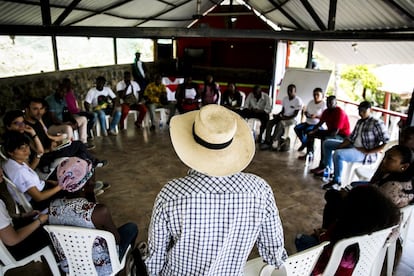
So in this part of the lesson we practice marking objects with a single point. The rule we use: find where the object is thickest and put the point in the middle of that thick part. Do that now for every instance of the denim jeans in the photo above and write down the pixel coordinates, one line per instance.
(329, 145)
(101, 116)
(345, 155)
(128, 233)
(302, 131)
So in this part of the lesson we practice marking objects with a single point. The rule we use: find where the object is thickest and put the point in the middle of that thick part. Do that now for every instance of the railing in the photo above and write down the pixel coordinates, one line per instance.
(391, 118)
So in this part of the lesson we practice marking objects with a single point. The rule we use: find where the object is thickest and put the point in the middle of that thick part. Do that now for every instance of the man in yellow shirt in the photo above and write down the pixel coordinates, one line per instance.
(155, 94)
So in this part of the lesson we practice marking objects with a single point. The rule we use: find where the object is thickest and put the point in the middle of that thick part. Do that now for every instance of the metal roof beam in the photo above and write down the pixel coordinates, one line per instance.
(45, 8)
(66, 12)
(147, 32)
(116, 5)
(332, 14)
(313, 14)
(285, 13)
(400, 10)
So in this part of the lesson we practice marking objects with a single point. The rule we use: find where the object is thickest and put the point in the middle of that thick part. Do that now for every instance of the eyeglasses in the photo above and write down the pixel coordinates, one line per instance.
(19, 123)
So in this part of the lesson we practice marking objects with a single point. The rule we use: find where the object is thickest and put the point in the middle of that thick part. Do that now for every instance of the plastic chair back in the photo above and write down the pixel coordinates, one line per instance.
(301, 263)
(406, 217)
(77, 243)
(10, 262)
(371, 257)
(19, 197)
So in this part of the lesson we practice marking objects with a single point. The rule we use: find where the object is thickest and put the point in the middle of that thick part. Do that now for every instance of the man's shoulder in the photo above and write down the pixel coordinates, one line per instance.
(201, 183)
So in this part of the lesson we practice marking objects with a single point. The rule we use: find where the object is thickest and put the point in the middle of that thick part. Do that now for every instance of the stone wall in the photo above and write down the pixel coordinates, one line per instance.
(15, 90)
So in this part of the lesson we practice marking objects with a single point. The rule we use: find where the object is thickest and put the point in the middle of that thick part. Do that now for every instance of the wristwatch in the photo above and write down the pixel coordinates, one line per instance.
(39, 155)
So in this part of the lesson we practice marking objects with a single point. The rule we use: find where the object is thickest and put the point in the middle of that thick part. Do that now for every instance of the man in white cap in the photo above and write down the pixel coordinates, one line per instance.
(207, 222)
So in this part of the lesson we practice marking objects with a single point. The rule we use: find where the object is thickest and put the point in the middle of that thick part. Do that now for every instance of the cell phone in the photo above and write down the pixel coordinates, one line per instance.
(45, 211)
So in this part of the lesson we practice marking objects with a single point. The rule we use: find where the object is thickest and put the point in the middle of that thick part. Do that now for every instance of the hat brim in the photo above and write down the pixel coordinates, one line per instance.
(223, 162)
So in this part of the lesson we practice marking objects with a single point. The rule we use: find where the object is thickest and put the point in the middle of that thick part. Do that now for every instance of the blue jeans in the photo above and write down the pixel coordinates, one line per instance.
(101, 116)
(329, 145)
(128, 233)
(345, 155)
(302, 131)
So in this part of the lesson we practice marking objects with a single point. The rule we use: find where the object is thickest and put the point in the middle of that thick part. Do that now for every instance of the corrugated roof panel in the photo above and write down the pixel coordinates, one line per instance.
(367, 14)
(107, 21)
(186, 11)
(20, 14)
(367, 52)
(140, 8)
(95, 4)
(165, 24)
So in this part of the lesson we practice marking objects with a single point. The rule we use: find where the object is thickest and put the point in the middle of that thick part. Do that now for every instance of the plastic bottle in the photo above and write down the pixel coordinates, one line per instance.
(309, 159)
(326, 173)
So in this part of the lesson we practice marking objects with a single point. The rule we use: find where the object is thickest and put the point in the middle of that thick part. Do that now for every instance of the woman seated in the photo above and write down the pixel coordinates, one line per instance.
(37, 191)
(23, 235)
(359, 215)
(187, 96)
(74, 175)
(14, 122)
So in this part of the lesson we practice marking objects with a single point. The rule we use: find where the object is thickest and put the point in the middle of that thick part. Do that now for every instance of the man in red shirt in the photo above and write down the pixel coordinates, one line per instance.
(338, 128)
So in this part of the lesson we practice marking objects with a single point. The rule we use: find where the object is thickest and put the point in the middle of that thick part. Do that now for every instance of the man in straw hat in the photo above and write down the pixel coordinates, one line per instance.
(207, 222)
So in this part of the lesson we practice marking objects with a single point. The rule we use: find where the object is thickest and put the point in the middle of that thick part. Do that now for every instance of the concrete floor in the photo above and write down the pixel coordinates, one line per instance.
(141, 162)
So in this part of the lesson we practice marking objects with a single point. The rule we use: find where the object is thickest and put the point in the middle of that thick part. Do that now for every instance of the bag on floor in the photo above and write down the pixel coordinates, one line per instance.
(284, 144)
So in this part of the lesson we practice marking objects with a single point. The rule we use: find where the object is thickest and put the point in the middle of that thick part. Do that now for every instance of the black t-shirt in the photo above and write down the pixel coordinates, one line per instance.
(46, 142)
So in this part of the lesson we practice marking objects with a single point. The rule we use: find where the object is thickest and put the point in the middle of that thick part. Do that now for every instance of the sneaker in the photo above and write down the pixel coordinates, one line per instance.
(264, 146)
(90, 138)
(331, 185)
(152, 128)
(112, 132)
(318, 171)
(101, 163)
(137, 125)
(143, 250)
(89, 146)
(302, 147)
(99, 192)
(105, 133)
(98, 186)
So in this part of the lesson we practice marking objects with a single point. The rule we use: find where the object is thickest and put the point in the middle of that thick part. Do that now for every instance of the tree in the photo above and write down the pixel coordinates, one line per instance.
(360, 77)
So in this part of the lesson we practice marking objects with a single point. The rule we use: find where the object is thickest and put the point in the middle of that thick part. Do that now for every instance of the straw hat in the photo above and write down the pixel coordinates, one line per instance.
(73, 173)
(214, 140)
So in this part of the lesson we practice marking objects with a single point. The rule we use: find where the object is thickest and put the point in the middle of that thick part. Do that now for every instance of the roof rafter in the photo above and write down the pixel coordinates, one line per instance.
(161, 13)
(313, 14)
(286, 14)
(115, 5)
(332, 15)
(45, 8)
(400, 10)
(66, 12)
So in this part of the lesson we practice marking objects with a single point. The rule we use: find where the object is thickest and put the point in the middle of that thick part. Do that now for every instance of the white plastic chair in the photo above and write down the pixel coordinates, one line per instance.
(363, 172)
(301, 263)
(243, 98)
(19, 197)
(406, 217)
(10, 262)
(372, 249)
(77, 243)
(98, 125)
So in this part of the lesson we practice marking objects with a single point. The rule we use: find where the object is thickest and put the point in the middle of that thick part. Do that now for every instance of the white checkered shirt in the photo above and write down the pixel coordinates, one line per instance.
(204, 225)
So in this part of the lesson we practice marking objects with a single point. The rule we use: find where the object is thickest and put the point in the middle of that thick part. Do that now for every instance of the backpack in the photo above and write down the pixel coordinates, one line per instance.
(284, 144)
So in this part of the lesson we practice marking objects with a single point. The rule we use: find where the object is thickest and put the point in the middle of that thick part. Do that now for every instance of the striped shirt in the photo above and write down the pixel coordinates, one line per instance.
(203, 225)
